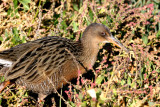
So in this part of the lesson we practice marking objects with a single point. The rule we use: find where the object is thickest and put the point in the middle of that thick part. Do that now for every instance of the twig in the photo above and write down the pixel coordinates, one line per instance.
(39, 22)
(56, 90)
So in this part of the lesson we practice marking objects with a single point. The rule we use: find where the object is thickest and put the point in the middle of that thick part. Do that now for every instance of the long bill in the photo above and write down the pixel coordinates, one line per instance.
(113, 40)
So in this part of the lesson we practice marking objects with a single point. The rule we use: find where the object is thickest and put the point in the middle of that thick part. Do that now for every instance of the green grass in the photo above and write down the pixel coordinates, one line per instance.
(118, 79)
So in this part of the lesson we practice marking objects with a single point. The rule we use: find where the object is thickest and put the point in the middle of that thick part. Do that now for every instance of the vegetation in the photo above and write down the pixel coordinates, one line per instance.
(117, 79)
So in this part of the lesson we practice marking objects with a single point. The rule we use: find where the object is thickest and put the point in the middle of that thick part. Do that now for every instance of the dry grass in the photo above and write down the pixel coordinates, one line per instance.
(118, 79)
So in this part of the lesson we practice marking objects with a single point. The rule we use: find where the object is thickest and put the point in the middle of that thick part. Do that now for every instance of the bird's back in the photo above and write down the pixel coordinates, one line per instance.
(44, 58)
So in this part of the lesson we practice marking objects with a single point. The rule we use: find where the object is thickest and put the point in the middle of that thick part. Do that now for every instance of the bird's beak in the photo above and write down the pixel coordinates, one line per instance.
(116, 42)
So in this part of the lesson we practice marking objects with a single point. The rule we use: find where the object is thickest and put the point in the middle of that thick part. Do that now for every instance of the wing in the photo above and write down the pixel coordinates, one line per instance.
(40, 61)
(14, 53)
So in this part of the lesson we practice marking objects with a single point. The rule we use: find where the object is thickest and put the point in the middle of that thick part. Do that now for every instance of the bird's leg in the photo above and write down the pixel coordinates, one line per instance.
(4, 85)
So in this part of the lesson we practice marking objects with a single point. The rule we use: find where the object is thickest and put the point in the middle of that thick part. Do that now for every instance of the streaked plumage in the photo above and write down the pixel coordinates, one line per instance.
(55, 58)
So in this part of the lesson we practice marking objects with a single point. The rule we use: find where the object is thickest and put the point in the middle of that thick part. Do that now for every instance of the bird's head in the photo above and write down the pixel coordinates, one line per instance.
(99, 33)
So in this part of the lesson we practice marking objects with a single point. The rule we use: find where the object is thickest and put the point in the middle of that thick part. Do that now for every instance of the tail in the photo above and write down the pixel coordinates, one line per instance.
(4, 66)
(8, 55)
(5, 63)
(14, 53)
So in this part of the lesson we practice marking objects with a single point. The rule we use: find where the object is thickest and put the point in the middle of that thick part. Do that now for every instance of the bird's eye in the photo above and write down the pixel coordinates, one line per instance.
(103, 33)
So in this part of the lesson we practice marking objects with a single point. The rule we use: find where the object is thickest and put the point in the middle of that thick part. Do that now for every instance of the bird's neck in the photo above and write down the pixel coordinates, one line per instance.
(89, 52)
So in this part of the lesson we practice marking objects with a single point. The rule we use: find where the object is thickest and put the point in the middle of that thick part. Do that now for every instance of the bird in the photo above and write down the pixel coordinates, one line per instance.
(48, 63)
